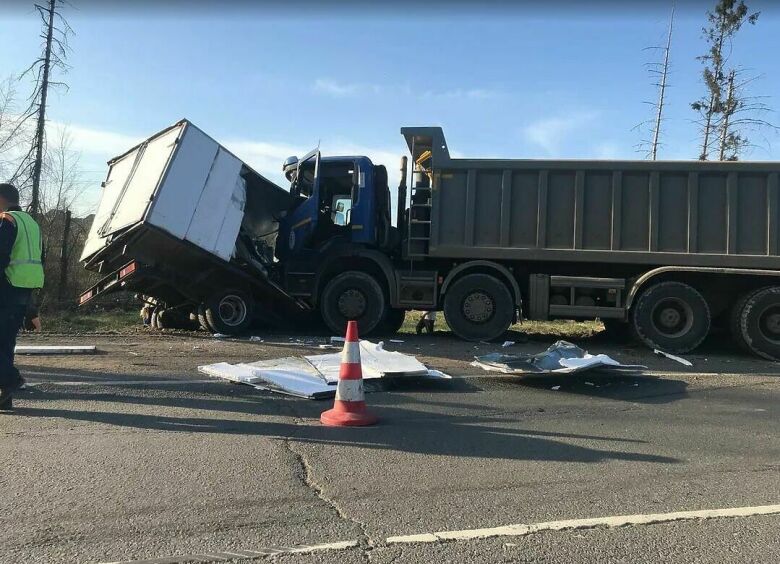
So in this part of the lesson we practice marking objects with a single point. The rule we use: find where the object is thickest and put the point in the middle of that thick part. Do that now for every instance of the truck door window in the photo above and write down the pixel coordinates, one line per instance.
(336, 183)
(341, 210)
(306, 180)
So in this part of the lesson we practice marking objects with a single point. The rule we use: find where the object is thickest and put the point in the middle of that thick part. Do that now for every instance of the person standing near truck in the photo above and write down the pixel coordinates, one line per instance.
(22, 272)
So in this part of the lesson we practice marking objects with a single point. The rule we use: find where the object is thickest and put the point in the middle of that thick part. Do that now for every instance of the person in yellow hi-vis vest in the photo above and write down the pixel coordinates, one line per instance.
(22, 272)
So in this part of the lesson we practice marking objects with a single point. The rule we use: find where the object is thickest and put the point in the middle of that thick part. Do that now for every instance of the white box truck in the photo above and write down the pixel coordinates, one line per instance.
(182, 219)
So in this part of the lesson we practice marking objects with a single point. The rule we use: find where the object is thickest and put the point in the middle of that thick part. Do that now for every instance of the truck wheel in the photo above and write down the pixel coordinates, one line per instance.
(393, 321)
(671, 316)
(174, 318)
(202, 321)
(352, 295)
(229, 312)
(735, 321)
(478, 307)
(760, 322)
(154, 322)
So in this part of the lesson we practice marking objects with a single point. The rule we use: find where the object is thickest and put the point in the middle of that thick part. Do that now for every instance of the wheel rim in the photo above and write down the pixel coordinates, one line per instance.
(232, 310)
(672, 317)
(478, 307)
(352, 304)
(769, 323)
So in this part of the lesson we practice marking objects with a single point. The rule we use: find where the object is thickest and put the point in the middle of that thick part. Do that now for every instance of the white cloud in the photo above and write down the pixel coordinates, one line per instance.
(100, 142)
(338, 89)
(549, 133)
(468, 94)
(610, 151)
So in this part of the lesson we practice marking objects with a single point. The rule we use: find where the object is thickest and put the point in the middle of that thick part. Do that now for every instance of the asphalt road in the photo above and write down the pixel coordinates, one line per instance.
(132, 455)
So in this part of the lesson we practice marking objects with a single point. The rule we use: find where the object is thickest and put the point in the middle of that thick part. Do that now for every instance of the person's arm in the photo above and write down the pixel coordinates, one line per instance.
(7, 238)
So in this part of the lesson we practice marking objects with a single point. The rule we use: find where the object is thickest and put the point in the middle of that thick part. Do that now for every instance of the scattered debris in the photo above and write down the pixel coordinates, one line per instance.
(220, 336)
(316, 376)
(256, 339)
(556, 388)
(55, 349)
(508, 344)
(335, 340)
(375, 360)
(397, 341)
(676, 358)
(561, 358)
(589, 384)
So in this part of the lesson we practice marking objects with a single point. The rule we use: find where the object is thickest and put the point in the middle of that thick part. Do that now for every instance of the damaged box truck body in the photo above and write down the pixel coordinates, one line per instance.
(665, 249)
(180, 219)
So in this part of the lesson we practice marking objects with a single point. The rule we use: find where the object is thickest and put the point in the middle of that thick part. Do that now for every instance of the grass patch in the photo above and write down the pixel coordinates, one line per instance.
(559, 329)
(83, 322)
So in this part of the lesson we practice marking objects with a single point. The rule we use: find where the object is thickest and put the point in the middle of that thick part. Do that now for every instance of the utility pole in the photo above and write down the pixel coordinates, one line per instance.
(40, 129)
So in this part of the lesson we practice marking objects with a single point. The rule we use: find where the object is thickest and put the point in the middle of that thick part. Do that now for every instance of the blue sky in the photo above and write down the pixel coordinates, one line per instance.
(552, 82)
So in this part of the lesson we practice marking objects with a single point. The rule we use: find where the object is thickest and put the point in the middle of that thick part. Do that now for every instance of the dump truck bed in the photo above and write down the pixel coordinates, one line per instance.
(688, 213)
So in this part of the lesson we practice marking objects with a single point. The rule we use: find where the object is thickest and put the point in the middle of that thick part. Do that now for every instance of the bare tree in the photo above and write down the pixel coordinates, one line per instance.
(724, 22)
(740, 113)
(62, 184)
(659, 71)
(13, 133)
(55, 33)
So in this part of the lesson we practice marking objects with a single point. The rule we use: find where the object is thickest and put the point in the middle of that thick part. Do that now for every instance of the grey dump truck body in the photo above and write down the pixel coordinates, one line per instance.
(666, 248)
(685, 213)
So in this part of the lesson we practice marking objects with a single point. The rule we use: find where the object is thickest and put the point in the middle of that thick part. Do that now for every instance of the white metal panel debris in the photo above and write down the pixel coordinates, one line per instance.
(315, 376)
(375, 360)
(560, 358)
(674, 357)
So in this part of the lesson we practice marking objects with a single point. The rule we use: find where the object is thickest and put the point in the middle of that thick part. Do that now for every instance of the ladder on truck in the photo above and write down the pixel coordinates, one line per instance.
(419, 226)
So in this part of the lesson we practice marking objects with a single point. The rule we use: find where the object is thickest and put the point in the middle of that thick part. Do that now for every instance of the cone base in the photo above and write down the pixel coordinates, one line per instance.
(339, 418)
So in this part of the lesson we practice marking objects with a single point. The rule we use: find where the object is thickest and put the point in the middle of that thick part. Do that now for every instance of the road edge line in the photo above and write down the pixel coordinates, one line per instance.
(518, 530)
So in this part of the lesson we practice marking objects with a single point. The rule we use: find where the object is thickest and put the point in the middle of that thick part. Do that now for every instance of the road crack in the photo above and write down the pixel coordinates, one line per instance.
(306, 474)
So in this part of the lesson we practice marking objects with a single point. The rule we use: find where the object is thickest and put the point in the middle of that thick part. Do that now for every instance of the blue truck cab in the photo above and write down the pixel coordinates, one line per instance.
(342, 200)
(340, 223)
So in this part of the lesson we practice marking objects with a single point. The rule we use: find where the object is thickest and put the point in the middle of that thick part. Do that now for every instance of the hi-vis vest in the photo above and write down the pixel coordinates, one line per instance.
(25, 270)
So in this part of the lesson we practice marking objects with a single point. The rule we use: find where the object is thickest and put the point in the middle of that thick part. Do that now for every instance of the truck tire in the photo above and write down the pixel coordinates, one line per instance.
(393, 321)
(173, 318)
(154, 321)
(760, 322)
(478, 307)
(229, 312)
(352, 295)
(735, 321)
(202, 321)
(671, 316)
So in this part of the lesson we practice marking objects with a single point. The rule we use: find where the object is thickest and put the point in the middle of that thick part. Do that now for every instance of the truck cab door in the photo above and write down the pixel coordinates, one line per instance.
(301, 223)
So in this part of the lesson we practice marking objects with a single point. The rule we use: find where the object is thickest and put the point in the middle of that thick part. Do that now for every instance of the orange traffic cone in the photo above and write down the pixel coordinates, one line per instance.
(349, 409)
